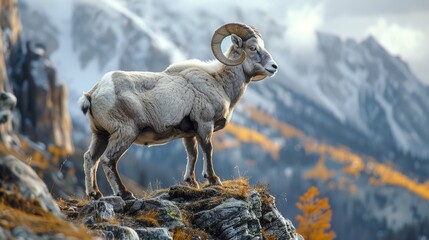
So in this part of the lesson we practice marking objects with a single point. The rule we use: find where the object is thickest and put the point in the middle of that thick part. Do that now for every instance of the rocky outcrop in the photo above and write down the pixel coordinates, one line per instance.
(233, 211)
(19, 177)
(42, 100)
(10, 32)
(22, 218)
(25, 69)
(27, 209)
(41, 125)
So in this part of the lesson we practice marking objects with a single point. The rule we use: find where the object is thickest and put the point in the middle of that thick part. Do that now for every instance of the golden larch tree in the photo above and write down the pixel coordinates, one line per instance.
(315, 221)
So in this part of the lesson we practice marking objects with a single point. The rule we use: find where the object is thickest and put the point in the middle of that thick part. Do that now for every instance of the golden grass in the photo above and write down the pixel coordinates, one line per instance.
(72, 203)
(186, 233)
(143, 219)
(237, 188)
(70, 207)
(17, 211)
(149, 218)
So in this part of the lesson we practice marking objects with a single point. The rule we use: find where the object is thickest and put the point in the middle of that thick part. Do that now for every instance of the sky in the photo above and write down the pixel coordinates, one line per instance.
(401, 26)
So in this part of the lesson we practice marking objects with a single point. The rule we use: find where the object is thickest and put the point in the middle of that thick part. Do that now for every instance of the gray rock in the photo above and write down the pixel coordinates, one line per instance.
(116, 201)
(232, 219)
(23, 233)
(58, 236)
(162, 196)
(126, 233)
(153, 234)
(169, 215)
(108, 235)
(4, 234)
(255, 203)
(104, 210)
(18, 175)
(90, 220)
(275, 224)
(118, 232)
(137, 205)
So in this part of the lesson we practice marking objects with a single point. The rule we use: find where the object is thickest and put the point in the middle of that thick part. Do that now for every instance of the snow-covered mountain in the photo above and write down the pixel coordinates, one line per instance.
(354, 87)
(346, 92)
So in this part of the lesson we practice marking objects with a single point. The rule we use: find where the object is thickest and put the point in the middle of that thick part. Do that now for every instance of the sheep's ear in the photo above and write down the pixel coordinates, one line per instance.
(237, 41)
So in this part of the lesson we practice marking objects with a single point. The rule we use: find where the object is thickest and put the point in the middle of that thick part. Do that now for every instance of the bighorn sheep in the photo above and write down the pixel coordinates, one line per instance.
(188, 100)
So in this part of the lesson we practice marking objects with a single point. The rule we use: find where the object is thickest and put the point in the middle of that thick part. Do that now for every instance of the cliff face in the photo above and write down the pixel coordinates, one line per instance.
(43, 100)
(25, 70)
(10, 31)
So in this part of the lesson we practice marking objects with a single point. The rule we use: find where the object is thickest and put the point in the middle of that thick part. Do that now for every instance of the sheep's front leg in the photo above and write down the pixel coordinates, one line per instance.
(205, 132)
(191, 147)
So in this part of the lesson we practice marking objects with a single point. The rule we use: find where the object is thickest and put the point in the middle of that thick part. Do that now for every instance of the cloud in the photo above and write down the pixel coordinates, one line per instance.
(300, 35)
(409, 43)
(404, 41)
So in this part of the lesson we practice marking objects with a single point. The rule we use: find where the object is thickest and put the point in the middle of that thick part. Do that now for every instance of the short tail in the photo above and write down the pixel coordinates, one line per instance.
(85, 103)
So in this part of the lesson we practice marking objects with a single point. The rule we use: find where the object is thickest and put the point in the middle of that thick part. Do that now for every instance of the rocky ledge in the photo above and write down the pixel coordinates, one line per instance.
(233, 211)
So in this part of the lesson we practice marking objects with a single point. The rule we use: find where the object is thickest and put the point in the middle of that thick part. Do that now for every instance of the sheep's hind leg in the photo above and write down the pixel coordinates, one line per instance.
(91, 160)
(191, 147)
(205, 132)
(119, 142)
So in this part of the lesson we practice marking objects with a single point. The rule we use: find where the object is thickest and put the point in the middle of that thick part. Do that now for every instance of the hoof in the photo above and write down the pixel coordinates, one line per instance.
(95, 195)
(192, 183)
(126, 195)
(214, 181)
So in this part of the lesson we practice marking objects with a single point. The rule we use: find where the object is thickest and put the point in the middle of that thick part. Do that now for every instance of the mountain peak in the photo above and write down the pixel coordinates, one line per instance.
(372, 43)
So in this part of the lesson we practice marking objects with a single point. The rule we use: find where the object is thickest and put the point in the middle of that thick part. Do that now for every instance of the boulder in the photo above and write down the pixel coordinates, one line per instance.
(18, 176)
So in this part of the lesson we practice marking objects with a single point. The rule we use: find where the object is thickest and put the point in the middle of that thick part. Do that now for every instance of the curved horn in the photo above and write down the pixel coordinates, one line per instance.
(241, 30)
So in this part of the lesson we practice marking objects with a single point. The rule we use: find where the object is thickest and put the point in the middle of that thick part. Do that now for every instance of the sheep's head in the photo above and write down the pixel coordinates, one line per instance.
(247, 49)
(7, 103)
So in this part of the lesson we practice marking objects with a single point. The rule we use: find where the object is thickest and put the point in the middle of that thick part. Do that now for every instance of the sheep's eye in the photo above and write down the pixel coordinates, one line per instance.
(252, 48)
